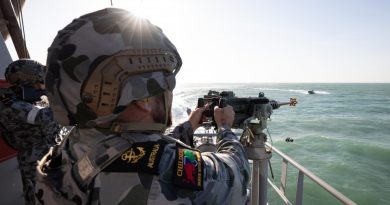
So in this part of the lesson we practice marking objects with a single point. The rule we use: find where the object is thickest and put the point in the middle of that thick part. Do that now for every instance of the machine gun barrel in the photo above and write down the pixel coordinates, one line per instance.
(276, 104)
(283, 103)
(244, 107)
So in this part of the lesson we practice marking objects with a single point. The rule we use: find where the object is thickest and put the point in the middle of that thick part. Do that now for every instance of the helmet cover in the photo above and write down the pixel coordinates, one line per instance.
(104, 60)
(25, 72)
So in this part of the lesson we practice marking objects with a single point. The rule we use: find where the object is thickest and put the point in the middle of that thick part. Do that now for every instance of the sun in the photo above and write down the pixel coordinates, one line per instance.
(149, 9)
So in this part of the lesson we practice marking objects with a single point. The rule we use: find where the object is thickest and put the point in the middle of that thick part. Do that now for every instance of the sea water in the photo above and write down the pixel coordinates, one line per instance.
(341, 133)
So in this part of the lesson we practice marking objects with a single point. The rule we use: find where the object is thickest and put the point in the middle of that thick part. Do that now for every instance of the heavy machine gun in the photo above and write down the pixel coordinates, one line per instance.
(245, 108)
(251, 115)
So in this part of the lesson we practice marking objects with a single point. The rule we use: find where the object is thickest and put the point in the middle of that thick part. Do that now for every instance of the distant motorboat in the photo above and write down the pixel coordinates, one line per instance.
(311, 92)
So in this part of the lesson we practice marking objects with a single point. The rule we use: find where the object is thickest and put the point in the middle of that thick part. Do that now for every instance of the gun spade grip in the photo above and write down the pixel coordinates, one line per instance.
(222, 103)
(200, 102)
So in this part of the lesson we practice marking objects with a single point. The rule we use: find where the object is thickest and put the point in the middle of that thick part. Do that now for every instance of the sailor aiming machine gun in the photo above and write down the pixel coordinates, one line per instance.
(251, 115)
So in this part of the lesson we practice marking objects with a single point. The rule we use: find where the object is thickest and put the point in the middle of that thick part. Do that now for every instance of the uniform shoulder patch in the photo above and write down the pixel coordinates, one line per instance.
(188, 169)
(140, 157)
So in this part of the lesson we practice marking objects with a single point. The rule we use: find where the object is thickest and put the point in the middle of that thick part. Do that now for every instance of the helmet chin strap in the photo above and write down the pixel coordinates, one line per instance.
(141, 126)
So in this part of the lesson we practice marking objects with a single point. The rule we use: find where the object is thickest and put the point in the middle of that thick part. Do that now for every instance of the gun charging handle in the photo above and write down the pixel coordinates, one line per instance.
(209, 112)
(222, 103)
(200, 103)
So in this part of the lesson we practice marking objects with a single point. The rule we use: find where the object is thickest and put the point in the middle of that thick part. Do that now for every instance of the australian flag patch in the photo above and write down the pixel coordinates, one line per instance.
(188, 169)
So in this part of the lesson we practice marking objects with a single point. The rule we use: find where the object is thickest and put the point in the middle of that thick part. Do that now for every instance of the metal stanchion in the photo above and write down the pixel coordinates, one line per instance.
(257, 152)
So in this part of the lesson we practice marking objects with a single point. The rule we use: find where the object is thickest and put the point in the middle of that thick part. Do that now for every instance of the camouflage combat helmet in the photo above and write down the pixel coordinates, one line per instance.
(104, 60)
(25, 72)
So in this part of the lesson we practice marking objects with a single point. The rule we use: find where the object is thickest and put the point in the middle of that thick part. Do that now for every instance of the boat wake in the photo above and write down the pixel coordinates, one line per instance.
(294, 91)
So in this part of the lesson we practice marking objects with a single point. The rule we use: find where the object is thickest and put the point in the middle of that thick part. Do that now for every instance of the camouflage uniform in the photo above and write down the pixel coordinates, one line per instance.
(30, 136)
(27, 126)
(225, 173)
(97, 65)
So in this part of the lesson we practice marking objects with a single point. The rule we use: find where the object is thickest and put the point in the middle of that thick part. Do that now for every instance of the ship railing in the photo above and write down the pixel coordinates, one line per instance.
(302, 172)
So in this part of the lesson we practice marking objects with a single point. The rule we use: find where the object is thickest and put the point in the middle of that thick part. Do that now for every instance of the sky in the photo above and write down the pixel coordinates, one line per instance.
(248, 41)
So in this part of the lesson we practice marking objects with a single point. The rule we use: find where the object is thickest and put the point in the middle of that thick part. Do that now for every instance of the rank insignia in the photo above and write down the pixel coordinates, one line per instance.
(188, 169)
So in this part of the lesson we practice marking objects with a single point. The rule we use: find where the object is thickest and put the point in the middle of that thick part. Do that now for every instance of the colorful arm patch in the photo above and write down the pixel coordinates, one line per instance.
(188, 169)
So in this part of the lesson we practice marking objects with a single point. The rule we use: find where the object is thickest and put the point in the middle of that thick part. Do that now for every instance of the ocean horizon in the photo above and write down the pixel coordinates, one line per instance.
(341, 134)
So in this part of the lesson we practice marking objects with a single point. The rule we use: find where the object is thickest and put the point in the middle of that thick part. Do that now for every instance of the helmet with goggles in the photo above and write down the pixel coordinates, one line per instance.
(25, 72)
(104, 60)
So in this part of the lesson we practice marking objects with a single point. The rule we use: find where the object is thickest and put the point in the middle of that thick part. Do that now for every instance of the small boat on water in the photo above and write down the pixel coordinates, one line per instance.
(311, 92)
